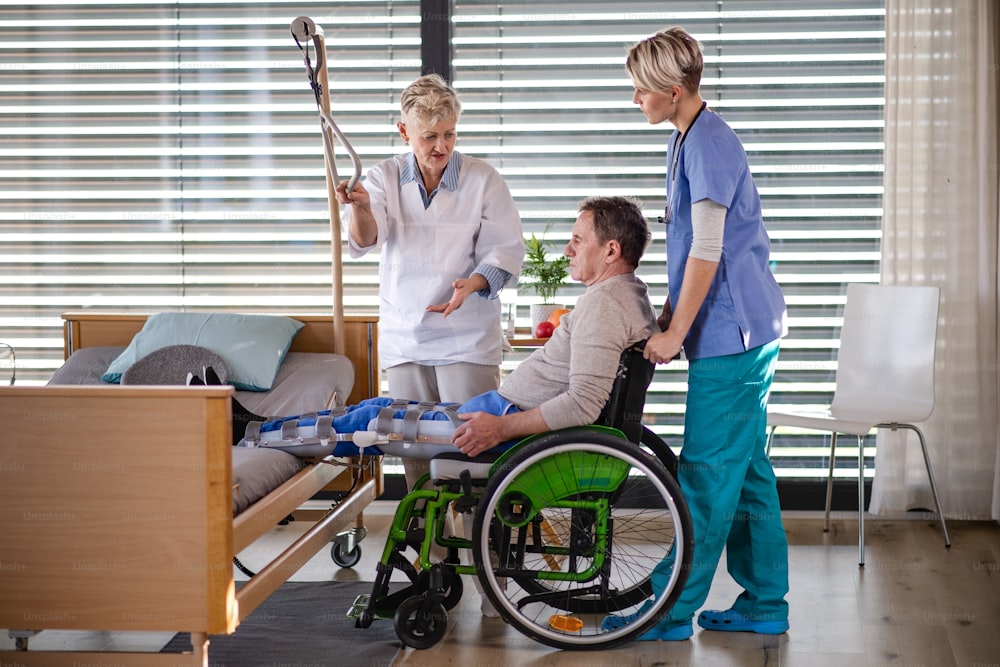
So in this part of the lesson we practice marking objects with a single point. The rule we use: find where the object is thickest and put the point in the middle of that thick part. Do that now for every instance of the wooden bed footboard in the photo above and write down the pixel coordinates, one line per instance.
(116, 509)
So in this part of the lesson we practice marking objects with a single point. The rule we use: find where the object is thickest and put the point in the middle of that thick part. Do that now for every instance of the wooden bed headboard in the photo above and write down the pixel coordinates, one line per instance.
(95, 329)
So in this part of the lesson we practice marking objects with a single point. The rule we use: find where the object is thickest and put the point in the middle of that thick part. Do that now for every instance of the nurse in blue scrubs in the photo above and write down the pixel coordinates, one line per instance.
(726, 312)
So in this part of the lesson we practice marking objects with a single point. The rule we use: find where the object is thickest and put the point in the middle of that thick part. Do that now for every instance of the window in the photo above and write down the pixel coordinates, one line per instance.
(167, 155)
(547, 100)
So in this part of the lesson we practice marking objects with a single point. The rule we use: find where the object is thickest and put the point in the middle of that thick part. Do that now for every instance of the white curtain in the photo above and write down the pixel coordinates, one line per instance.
(940, 227)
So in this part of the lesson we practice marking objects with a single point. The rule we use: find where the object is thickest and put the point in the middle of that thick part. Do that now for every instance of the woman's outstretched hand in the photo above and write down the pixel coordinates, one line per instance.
(462, 287)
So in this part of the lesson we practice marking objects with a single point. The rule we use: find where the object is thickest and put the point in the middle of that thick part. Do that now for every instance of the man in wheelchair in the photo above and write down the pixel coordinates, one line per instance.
(567, 526)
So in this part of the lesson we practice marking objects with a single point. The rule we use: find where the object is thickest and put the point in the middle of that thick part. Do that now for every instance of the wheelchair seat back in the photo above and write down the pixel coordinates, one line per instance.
(625, 405)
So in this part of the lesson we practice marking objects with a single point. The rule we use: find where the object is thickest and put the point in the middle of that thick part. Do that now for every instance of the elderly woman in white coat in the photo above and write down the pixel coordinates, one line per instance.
(450, 240)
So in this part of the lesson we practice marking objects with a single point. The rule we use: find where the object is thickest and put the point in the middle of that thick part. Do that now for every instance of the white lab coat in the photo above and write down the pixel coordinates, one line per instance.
(424, 250)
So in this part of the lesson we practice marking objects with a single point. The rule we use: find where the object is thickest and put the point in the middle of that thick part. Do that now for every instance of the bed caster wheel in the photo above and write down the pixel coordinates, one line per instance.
(346, 549)
(421, 621)
(344, 558)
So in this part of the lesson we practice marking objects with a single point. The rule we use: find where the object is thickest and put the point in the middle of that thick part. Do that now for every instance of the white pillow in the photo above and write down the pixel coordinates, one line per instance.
(253, 346)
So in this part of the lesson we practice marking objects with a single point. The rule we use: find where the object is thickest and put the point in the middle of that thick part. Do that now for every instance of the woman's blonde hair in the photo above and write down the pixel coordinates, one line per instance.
(669, 58)
(429, 100)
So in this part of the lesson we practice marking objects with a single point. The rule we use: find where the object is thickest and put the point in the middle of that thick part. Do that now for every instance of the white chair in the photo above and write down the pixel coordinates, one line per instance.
(885, 379)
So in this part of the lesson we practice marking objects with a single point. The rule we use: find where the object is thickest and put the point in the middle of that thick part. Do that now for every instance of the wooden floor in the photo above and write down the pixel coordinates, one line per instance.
(914, 603)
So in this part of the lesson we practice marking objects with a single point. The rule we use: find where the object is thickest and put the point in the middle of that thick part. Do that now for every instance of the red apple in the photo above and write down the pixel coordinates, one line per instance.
(544, 330)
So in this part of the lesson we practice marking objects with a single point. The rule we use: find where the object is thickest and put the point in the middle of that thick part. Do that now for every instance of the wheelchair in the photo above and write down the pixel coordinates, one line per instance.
(567, 529)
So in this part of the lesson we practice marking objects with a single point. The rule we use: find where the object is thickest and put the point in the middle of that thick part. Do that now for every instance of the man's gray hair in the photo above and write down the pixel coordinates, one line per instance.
(620, 219)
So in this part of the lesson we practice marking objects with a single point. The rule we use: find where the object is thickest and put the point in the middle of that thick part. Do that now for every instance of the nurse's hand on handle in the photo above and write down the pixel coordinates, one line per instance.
(356, 197)
(662, 348)
(463, 287)
(363, 227)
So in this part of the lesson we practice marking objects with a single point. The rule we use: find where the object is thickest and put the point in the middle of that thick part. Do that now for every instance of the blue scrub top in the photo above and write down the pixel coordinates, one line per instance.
(744, 307)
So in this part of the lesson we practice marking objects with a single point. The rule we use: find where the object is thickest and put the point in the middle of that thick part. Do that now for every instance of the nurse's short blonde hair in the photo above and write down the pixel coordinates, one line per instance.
(429, 100)
(669, 58)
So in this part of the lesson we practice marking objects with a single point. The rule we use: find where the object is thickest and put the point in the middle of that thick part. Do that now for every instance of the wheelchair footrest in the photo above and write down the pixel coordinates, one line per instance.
(360, 605)
(381, 610)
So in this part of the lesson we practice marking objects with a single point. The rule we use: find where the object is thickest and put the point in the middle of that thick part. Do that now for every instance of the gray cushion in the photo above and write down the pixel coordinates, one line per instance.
(252, 345)
(171, 365)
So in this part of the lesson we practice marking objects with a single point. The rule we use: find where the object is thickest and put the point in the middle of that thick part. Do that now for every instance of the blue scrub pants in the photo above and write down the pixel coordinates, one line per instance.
(730, 488)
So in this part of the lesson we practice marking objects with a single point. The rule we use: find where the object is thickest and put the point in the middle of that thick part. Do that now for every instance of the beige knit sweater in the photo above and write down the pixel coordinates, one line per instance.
(570, 377)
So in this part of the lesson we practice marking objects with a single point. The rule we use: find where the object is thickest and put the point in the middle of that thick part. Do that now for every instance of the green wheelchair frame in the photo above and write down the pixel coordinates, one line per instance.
(569, 527)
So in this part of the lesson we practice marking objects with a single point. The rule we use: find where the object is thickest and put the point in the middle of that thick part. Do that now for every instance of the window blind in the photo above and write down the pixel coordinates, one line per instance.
(166, 155)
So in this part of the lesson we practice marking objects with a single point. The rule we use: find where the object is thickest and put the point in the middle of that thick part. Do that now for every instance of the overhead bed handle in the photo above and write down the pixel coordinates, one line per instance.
(305, 32)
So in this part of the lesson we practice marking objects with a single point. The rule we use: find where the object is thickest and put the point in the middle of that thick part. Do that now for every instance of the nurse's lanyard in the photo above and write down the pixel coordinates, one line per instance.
(675, 153)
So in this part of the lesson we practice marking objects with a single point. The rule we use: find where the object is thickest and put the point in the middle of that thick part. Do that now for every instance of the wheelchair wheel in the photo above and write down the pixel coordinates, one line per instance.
(660, 450)
(421, 621)
(452, 591)
(568, 532)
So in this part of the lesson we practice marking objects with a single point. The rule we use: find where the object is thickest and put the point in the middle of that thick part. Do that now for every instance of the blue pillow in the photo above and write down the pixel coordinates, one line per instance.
(253, 346)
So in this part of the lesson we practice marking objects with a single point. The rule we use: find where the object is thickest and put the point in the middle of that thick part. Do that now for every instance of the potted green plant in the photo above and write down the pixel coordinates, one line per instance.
(546, 276)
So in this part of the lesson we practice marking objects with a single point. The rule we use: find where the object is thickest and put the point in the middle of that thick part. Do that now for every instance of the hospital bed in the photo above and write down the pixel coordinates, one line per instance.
(122, 507)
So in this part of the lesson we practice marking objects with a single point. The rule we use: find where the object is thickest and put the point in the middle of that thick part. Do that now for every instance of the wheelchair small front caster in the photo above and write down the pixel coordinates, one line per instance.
(453, 592)
(421, 621)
